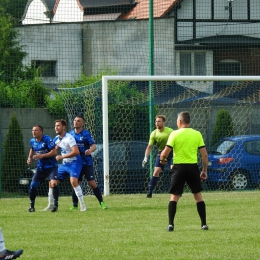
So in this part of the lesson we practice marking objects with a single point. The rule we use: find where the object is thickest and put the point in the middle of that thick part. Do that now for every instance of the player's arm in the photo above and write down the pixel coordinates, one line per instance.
(146, 154)
(92, 148)
(30, 156)
(51, 153)
(74, 152)
(164, 154)
(204, 157)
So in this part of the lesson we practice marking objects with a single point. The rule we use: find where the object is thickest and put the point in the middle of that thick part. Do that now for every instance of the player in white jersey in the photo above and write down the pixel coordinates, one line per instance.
(71, 165)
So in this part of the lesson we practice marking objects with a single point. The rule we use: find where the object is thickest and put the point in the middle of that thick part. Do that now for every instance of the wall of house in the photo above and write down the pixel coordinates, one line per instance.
(121, 46)
(124, 46)
(248, 57)
(59, 42)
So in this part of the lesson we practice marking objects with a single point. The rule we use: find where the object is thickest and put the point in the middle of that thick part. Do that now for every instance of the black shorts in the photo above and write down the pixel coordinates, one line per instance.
(51, 173)
(185, 173)
(88, 172)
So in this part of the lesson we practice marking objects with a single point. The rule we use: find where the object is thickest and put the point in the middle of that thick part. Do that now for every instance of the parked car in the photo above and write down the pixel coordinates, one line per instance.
(235, 162)
(126, 174)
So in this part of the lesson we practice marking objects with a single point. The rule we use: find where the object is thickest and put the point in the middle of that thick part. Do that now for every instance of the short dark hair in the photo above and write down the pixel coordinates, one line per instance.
(81, 117)
(41, 128)
(162, 117)
(184, 117)
(62, 121)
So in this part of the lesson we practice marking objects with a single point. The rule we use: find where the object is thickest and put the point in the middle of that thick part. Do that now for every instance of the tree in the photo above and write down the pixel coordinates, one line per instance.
(15, 8)
(223, 126)
(14, 158)
(11, 53)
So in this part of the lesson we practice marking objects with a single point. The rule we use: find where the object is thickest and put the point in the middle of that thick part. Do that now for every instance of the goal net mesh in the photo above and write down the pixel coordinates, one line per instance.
(218, 109)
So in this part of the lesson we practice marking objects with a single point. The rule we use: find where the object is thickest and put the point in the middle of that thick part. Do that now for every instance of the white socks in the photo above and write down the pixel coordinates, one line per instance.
(50, 197)
(79, 194)
(2, 243)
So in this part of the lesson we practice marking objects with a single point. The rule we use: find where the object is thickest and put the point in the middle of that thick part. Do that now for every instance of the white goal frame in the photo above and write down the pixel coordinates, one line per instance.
(106, 79)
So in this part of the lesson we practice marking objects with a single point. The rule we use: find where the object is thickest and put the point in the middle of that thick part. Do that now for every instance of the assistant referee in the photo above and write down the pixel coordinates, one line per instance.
(185, 143)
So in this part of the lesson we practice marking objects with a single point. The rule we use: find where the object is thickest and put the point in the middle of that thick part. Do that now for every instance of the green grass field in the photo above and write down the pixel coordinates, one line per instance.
(134, 227)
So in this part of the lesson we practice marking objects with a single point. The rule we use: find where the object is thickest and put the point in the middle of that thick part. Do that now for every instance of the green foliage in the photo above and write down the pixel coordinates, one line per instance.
(11, 53)
(54, 101)
(15, 8)
(55, 105)
(223, 126)
(23, 94)
(14, 158)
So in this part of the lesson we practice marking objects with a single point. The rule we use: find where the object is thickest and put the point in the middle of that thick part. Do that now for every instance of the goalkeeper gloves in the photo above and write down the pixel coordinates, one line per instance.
(145, 161)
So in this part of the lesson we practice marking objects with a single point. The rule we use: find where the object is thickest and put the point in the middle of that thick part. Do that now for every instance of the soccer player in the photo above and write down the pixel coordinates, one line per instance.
(86, 145)
(7, 254)
(43, 150)
(159, 136)
(185, 143)
(71, 164)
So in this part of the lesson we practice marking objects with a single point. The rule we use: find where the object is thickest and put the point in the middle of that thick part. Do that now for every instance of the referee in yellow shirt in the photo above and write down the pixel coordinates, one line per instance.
(185, 143)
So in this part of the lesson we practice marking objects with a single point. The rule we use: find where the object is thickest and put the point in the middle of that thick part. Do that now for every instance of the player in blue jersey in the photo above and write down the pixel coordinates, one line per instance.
(71, 161)
(43, 150)
(86, 145)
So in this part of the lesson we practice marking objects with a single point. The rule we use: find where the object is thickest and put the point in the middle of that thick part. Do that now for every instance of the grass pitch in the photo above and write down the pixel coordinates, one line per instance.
(134, 227)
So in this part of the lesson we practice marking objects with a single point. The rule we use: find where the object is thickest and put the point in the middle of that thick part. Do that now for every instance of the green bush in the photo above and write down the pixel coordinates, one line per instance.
(14, 158)
(223, 126)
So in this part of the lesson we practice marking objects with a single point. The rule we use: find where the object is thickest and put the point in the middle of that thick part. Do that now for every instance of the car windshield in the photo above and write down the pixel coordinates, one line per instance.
(223, 148)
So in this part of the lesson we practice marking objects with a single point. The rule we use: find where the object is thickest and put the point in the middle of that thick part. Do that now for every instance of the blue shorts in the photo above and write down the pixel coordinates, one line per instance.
(158, 164)
(51, 173)
(88, 172)
(72, 169)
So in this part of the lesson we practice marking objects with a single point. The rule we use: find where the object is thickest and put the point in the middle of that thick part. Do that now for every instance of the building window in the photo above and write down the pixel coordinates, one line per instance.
(229, 68)
(47, 67)
(192, 63)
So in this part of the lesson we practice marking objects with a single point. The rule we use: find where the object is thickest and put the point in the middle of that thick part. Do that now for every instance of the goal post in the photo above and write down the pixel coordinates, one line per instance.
(107, 79)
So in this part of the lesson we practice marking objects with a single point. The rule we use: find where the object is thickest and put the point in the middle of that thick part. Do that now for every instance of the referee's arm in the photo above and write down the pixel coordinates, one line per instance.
(164, 154)
(204, 157)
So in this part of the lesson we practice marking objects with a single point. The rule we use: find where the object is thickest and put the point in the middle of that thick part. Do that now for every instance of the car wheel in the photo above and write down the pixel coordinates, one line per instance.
(239, 181)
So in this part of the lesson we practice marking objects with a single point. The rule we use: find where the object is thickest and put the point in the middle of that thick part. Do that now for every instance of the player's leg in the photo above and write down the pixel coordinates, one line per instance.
(7, 254)
(153, 181)
(50, 198)
(194, 182)
(56, 174)
(74, 197)
(54, 183)
(74, 170)
(38, 177)
(88, 171)
(176, 189)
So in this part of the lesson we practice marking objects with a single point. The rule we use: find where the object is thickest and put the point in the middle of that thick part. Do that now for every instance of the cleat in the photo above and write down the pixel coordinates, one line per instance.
(49, 207)
(149, 195)
(204, 227)
(103, 205)
(170, 228)
(55, 209)
(11, 254)
(83, 207)
(73, 208)
(31, 209)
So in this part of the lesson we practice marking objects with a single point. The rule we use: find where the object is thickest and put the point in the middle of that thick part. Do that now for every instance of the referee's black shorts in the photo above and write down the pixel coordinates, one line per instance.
(188, 173)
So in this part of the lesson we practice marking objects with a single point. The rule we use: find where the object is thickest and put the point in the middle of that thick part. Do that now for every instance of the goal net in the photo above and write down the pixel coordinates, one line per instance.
(120, 112)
